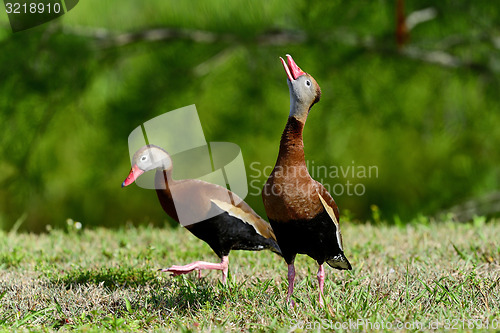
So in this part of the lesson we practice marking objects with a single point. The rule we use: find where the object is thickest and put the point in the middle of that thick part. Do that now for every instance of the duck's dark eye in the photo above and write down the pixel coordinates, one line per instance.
(144, 158)
(308, 83)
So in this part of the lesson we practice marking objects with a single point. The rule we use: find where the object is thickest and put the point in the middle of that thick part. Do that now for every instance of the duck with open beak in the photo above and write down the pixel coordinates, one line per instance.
(304, 216)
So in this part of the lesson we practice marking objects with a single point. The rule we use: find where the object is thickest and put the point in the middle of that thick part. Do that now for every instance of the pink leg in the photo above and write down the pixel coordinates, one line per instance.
(198, 266)
(291, 279)
(321, 282)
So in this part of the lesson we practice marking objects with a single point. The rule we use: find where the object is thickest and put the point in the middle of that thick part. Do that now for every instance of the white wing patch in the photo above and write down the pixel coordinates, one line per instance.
(238, 213)
(331, 213)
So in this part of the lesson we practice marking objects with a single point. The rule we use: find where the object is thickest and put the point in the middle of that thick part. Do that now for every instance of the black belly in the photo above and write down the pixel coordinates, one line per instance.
(316, 237)
(224, 233)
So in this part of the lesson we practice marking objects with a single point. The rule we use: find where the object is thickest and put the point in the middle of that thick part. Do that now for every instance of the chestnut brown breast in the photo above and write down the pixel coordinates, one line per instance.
(290, 193)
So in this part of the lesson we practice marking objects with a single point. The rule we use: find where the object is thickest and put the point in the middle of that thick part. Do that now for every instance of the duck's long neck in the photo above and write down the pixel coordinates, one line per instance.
(298, 109)
(163, 179)
(163, 176)
(292, 144)
(163, 184)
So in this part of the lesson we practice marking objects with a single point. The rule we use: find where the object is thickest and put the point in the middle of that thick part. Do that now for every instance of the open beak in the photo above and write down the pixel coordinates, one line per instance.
(292, 70)
(135, 172)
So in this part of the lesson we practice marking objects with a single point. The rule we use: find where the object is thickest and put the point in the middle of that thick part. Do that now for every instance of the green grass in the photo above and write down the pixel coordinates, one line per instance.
(420, 274)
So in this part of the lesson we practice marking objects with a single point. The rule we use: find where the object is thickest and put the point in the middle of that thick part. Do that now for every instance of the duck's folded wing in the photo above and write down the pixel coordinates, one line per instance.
(245, 213)
(332, 210)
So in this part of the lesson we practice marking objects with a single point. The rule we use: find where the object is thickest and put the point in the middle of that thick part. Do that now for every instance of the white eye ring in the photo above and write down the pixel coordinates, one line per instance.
(308, 83)
(144, 158)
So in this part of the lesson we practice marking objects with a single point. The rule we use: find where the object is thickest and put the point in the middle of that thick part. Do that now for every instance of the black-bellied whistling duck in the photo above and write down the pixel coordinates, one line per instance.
(303, 214)
(223, 225)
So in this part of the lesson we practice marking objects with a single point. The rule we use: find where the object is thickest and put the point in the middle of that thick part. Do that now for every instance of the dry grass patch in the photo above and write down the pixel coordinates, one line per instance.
(416, 276)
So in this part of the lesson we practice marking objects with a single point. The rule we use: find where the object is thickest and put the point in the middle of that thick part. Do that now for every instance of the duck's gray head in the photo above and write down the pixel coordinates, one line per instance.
(304, 90)
(147, 158)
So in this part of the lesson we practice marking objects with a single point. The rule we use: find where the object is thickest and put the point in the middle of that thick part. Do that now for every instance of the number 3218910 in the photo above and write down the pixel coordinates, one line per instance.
(32, 8)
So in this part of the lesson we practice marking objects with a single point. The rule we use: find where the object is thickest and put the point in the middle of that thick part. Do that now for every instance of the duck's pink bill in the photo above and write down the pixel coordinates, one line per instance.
(135, 172)
(292, 70)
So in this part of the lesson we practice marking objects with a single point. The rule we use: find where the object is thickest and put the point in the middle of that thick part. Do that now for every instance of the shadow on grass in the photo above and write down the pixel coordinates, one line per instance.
(186, 295)
(159, 291)
(111, 278)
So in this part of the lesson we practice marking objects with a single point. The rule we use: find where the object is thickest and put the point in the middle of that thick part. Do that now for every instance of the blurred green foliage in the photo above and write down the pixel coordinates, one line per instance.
(69, 99)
